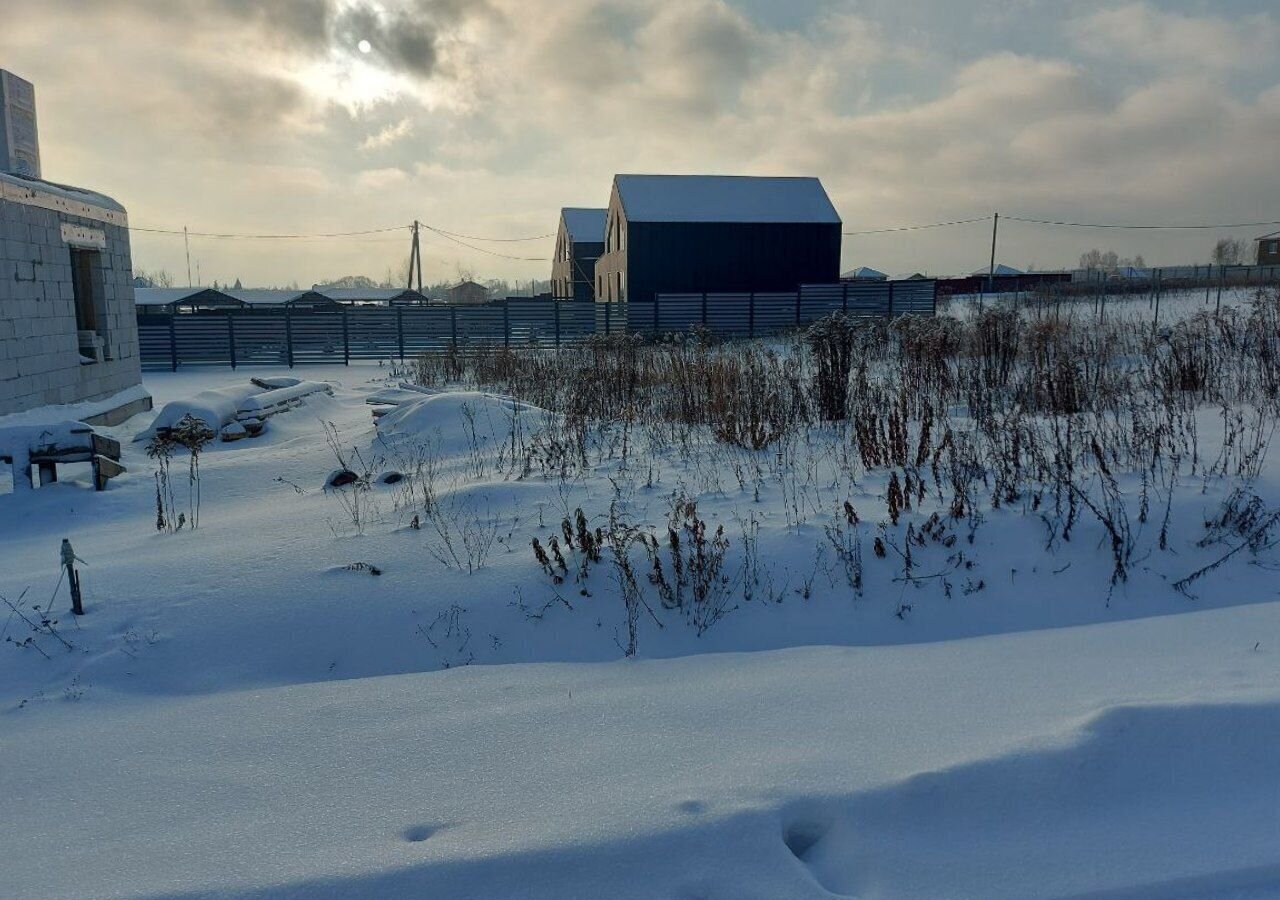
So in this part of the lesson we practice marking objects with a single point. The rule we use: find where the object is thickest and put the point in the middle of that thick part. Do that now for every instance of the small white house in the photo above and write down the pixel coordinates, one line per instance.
(68, 328)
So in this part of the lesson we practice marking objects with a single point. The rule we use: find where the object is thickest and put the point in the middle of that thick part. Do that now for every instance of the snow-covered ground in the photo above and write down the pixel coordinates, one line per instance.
(241, 714)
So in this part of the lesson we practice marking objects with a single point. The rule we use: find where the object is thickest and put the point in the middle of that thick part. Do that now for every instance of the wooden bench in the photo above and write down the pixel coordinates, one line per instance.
(64, 443)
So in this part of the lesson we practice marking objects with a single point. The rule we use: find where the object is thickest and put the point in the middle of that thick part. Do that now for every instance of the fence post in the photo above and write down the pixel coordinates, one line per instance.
(288, 335)
(506, 323)
(797, 306)
(231, 340)
(453, 325)
(555, 306)
(844, 298)
(608, 325)
(704, 309)
(173, 339)
(400, 331)
(751, 314)
(891, 301)
(346, 339)
(656, 315)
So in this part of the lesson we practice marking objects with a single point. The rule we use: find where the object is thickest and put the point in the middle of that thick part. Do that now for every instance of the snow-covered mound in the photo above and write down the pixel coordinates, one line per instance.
(214, 407)
(460, 422)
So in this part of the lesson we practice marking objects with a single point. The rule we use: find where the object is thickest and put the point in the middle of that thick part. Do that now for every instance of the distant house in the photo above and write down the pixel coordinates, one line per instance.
(367, 296)
(467, 292)
(272, 298)
(716, 233)
(1268, 249)
(864, 273)
(68, 330)
(151, 300)
(579, 243)
(1000, 270)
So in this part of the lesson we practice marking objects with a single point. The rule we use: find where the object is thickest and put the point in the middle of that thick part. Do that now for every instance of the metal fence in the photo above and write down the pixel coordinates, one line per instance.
(293, 337)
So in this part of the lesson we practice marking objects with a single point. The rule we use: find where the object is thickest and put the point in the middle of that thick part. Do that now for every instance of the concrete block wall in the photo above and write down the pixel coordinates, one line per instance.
(39, 348)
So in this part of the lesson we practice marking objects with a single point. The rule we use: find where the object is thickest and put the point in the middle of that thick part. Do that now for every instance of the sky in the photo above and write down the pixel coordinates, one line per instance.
(485, 117)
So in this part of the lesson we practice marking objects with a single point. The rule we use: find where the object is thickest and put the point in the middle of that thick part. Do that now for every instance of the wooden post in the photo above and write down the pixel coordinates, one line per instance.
(506, 322)
(751, 315)
(173, 339)
(555, 310)
(346, 339)
(890, 301)
(288, 336)
(400, 331)
(231, 340)
(73, 577)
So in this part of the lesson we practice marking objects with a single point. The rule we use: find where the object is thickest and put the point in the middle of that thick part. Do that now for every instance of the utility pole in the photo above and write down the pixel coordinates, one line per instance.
(991, 273)
(186, 240)
(418, 248)
(415, 259)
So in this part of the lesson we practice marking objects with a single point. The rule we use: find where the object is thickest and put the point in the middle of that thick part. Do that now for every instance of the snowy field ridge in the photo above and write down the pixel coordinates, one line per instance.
(978, 608)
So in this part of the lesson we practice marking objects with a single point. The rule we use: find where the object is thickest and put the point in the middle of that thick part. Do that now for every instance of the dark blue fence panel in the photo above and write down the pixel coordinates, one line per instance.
(317, 336)
(372, 333)
(679, 312)
(299, 336)
(261, 337)
(427, 329)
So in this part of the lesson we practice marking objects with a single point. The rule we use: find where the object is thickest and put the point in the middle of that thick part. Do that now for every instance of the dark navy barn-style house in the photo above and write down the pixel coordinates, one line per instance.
(716, 233)
(579, 243)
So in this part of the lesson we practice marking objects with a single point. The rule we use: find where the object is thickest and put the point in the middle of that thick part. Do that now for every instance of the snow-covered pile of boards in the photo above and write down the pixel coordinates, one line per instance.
(239, 411)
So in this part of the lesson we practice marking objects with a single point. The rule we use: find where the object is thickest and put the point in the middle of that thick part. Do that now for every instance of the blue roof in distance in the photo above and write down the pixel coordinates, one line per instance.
(724, 198)
(585, 226)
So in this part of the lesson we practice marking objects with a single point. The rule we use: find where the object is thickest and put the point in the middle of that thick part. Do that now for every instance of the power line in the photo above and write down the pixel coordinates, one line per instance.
(268, 237)
(918, 227)
(447, 236)
(1143, 227)
(472, 237)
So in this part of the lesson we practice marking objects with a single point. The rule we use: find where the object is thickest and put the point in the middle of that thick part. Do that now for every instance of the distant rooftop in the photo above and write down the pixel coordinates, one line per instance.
(864, 273)
(1001, 269)
(348, 295)
(724, 198)
(585, 226)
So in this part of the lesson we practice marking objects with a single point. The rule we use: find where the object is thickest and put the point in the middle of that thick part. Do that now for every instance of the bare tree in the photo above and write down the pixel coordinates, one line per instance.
(1228, 252)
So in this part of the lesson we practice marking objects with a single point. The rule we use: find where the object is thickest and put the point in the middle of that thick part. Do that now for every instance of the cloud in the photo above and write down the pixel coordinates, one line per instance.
(1141, 32)
(388, 135)
(236, 115)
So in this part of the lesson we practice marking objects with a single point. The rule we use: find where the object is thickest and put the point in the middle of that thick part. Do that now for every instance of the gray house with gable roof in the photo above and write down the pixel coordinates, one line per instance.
(716, 233)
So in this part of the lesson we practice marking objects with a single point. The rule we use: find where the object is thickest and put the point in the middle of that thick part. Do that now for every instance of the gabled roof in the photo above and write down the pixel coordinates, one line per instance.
(724, 198)
(269, 297)
(1001, 269)
(864, 273)
(164, 296)
(585, 226)
(463, 284)
(380, 295)
(1268, 237)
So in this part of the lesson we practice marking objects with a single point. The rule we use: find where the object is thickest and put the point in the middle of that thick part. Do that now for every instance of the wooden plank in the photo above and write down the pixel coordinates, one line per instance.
(105, 446)
(104, 469)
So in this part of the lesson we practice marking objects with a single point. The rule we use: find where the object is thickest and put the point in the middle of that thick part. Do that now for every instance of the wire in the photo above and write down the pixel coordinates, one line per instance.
(472, 237)
(447, 236)
(920, 227)
(1141, 227)
(267, 237)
